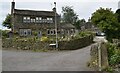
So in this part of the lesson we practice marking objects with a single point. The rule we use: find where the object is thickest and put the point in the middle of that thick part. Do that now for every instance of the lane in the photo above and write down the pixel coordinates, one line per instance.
(46, 61)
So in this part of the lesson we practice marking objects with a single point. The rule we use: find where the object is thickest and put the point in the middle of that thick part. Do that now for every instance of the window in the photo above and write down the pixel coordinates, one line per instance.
(28, 19)
(32, 20)
(24, 19)
(25, 32)
(48, 31)
(49, 20)
(40, 19)
(37, 20)
(51, 31)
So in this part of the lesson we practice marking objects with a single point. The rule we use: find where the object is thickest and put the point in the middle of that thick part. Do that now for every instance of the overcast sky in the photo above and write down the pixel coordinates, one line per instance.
(83, 8)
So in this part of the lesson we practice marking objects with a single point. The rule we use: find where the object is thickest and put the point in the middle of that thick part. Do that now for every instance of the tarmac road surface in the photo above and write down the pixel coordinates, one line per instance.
(75, 60)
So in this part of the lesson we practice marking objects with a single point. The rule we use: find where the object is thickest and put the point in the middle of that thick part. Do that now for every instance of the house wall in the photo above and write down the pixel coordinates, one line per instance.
(43, 27)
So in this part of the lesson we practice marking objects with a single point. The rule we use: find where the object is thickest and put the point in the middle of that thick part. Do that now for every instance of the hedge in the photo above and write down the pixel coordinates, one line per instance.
(33, 44)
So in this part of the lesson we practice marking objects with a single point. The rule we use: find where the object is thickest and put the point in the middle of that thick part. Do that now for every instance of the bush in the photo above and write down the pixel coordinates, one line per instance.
(44, 39)
(84, 34)
(113, 54)
(5, 33)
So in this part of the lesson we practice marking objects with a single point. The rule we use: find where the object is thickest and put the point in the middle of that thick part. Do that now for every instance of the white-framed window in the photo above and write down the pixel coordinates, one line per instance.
(49, 20)
(37, 19)
(32, 20)
(40, 19)
(28, 19)
(24, 19)
(25, 32)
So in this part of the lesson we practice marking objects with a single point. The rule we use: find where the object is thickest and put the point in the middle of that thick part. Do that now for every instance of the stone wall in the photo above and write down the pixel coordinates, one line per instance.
(76, 43)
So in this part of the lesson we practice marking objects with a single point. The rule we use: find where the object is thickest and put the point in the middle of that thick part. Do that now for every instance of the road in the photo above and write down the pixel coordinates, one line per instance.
(46, 61)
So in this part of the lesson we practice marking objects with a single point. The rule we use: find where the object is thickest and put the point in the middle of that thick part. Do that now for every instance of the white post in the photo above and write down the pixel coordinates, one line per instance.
(56, 26)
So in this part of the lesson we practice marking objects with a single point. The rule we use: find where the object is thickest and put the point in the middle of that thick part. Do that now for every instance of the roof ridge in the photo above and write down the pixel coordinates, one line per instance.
(32, 10)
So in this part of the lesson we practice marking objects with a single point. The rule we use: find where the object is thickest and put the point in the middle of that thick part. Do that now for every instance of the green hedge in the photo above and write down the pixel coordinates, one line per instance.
(33, 43)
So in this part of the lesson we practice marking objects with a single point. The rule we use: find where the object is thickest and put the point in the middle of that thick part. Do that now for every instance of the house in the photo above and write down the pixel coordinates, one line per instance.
(30, 22)
(89, 26)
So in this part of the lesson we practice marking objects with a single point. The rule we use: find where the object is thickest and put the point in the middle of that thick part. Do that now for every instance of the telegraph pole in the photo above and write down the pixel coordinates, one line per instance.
(56, 26)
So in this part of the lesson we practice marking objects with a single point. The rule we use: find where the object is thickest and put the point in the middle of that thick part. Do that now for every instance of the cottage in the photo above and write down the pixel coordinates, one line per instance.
(30, 22)
(89, 26)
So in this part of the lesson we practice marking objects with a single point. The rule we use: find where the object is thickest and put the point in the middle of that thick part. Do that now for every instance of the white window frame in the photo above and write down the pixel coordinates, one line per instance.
(24, 19)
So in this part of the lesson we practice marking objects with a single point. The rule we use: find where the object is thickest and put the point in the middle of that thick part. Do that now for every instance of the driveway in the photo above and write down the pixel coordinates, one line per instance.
(46, 61)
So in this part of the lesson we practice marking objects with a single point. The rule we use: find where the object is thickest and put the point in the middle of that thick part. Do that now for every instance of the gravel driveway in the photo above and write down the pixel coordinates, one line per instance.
(46, 61)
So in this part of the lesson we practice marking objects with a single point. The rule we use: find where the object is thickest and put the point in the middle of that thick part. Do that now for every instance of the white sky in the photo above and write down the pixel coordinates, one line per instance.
(83, 8)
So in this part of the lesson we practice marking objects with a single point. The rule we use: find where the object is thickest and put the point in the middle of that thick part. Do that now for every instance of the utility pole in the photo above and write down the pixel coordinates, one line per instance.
(56, 26)
(99, 55)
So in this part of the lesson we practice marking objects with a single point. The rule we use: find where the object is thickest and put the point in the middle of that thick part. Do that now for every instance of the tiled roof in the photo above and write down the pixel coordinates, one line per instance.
(66, 25)
(34, 12)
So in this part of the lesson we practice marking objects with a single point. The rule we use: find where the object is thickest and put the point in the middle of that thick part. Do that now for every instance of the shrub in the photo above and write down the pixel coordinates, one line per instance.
(113, 54)
(5, 33)
(44, 39)
(84, 34)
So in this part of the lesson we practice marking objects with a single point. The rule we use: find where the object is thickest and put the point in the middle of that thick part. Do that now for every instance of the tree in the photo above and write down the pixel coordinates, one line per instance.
(69, 16)
(118, 15)
(106, 20)
(78, 23)
(7, 22)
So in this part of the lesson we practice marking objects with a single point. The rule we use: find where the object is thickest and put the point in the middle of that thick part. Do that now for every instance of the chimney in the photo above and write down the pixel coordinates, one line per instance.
(54, 9)
(12, 7)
